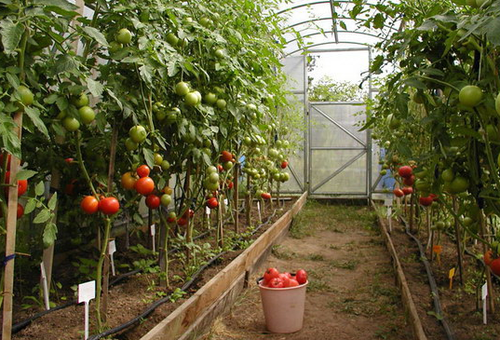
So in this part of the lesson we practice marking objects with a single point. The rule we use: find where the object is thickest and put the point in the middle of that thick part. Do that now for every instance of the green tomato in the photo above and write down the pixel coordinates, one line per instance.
(470, 95)
(71, 124)
(393, 122)
(87, 115)
(82, 100)
(497, 104)
(221, 104)
(191, 99)
(219, 53)
(227, 166)
(158, 159)
(161, 115)
(138, 133)
(205, 22)
(114, 47)
(124, 36)
(166, 200)
(273, 153)
(210, 185)
(165, 165)
(459, 185)
(448, 175)
(285, 176)
(26, 95)
(181, 88)
(172, 39)
(210, 98)
(62, 114)
(211, 169)
(213, 177)
(131, 145)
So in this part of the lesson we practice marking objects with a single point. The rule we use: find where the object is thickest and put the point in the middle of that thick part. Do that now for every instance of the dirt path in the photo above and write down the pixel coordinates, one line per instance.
(351, 294)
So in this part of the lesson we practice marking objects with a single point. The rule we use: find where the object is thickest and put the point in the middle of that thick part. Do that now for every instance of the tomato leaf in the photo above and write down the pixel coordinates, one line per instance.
(493, 32)
(34, 114)
(30, 206)
(10, 140)
(42, 217)
(25, 174)
(95, 87)
(52, 202)
(146, 74)
(64, 63)
(63, 4)
(149, 157)
(11, 35)
(49, 234)
(40, 188)
(112, 95)
(96, 35)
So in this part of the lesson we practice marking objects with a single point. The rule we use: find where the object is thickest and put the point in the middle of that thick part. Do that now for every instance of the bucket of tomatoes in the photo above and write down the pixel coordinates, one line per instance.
(283, 298)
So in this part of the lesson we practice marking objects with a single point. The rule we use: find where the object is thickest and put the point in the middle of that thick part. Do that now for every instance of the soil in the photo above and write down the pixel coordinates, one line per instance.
(133, 295)
(351, 292)
(460, 304)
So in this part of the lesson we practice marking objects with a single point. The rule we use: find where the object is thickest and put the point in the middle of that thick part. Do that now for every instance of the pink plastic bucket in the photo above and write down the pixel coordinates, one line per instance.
(283, 308)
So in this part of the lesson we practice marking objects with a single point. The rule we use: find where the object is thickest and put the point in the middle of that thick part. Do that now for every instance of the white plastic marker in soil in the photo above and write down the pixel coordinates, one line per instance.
(258, 209)
(226, 202)
(153, 233)
(207, 211)
(45, 287)
(388, 204)
(484, 294)
(86, 292)
(111, 251)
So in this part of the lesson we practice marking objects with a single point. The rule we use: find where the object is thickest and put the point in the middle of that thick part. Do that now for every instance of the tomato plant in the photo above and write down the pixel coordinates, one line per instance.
(109, 205)
(145, 185)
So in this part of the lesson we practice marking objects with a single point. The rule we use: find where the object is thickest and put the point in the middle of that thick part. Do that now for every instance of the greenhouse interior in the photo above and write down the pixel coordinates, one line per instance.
(250, 169)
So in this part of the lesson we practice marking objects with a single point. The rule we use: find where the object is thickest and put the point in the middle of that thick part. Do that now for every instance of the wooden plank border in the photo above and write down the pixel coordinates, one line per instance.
(226, 283)
(409, 304)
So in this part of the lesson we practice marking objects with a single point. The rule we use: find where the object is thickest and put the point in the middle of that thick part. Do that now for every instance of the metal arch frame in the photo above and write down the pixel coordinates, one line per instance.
(328, 18)
(336, 42)
(308, 48)
(317, 3)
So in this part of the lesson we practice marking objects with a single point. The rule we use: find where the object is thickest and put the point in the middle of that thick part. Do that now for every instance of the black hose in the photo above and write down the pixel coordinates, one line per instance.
(20, 325)
(432, 283)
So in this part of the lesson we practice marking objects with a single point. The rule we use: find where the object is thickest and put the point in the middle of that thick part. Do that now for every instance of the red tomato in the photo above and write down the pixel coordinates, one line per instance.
(153, 201)
(301, 276)
(230, 185)
(143, 171)
(69, 160)
(189, 212)
(284, 164)
(20, 211)
(276, 283)
(109, 205)
(226, 156)
(425, 201)
(89, 204)
(292, 283)
(434, 197)
(409, 180)
(271, 273)
(266, 195)
(220, 168)
(212, 203)
(22, 185)
(172, 217)
(398, 192)
(407, 190)
(405, 171)
(495, 266)
(488, 257)
(182, 221)
(145, 186)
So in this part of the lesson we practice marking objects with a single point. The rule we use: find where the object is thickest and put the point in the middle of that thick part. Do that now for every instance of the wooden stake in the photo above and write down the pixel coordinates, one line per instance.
(482, 230)
(459, 243)
(249, 202)
(10, 241)
(236, 198)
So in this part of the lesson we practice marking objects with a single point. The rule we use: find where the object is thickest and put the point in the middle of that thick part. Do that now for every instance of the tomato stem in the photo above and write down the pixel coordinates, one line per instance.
(82, 165)
(104, 247)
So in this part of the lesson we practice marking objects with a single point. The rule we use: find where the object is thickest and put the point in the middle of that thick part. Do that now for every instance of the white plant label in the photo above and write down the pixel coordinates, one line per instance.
(45, 286)
(484, 294)
(388, 202)
(153, 233)
(207, 211)
(226, 202)
(389, 219)
(86, 292)
(258, 209)
(111, 251)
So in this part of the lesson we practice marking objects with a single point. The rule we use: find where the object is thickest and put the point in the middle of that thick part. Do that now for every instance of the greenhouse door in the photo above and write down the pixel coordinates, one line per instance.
(339, 163)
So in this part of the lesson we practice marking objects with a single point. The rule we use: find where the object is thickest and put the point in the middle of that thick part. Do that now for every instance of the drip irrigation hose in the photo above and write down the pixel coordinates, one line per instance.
(432, 283)
(158, 303)
(24, 323)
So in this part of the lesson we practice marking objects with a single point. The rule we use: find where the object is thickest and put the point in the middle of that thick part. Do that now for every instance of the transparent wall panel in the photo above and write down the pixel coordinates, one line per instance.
(294, 68)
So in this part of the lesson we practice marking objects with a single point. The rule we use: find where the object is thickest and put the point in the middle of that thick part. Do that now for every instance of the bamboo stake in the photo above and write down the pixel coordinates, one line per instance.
(488, 273)
(459, 242)
(249, 202)
(236, 198)
(10, 241)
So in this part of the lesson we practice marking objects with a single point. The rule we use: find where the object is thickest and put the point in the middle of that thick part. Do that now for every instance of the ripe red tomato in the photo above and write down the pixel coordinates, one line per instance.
(405, 171)
(488, 257)
(230, 185)
(153, 201)
(425, 201)
(22, 185)
(270, 274)
(292, 283)
(284, 164)
(145, 185)
(89, 204)
(434, 197)
(128, 181)
(212, 203)
(69, 160)
(301, 276)
(276, 283)
(143, 171)
(109, 205)
(398, 192)
(20, 211)
(182, 221)
(220, 168)
(265, 195)
(409, 180)
(226, 156)
(407, 190)
(495, 266)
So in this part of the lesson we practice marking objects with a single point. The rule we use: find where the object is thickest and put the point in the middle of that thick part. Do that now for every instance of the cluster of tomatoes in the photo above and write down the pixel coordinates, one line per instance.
(492, 261)
(274, 279)
(406, 173)
(22, 186)
(107, 205)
